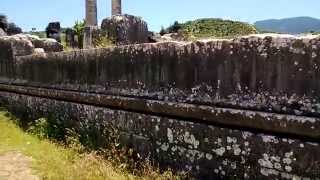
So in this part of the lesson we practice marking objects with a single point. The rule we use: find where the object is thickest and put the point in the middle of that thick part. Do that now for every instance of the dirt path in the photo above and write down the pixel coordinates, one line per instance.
(16, 166)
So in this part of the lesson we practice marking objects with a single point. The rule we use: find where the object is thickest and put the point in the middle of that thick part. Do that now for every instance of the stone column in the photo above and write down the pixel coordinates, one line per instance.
(116, 7)
(88, 36)
(91, 23)
(91, 13)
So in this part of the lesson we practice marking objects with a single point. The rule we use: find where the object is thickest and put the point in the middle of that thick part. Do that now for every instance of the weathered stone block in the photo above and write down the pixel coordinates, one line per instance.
(126, 29)
(20, 44)
(254, 73)
(24, 44)
(13, 29)
(205, 151)
(88, 37)
(70, 38)
(48, 44)
(245, 108)
(2, 33)
(91, 13)
(53, 31)
(3, 22)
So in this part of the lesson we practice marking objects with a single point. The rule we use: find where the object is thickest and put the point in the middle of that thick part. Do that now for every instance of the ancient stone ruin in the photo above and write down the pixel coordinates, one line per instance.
(53, 31)
(244, 108)
(126, 29)
(91, 23)
(3, 23)
(91, 13)
(25, 44)
(8, 28)
(2, 32)
(121, 29)
(116, 7)
(71, 38)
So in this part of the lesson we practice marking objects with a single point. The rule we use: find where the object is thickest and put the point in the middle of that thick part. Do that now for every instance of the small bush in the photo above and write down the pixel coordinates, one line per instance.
(102, 42)
(40, 128)
(210, 27)
(40, 34)
(78, 28)
(95, 155)
(175, 27)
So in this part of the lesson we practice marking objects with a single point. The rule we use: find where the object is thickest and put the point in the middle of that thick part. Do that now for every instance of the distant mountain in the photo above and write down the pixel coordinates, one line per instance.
(294, 25)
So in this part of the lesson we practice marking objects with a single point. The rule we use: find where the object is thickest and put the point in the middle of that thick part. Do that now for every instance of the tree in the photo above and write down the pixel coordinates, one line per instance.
(162, 31)
(3, 22)
(175, 27)
(79, 30)
(13, 29)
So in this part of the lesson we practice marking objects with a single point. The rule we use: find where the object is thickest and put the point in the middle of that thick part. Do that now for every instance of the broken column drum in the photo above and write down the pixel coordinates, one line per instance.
(126, 29)
(91, 13)
(91, 23)
(116, 7)
(70, 37)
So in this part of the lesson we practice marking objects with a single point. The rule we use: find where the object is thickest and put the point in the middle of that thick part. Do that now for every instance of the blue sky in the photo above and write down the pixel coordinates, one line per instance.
(37, 13)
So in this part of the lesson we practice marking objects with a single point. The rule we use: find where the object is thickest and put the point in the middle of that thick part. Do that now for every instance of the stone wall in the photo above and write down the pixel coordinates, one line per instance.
(244, 108)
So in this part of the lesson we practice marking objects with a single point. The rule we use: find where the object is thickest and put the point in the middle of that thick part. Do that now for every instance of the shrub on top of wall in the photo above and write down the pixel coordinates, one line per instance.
(211, 28)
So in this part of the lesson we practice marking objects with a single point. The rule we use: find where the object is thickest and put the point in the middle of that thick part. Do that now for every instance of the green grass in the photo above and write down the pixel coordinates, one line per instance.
(53, 161)
(41, 34)
(213, 28)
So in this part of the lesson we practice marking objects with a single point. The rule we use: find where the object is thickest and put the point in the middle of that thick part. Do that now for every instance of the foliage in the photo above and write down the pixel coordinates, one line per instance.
(64, 42)
(40, 34)
(261, 31)
(315, 33)
(79, 30)
(210, 27)
(2, 16)
(40, 128)
(101, 40)
(175, 27)
(53, 161)
(78, 27)
(162, 31)
(3, 22)
(13, 29)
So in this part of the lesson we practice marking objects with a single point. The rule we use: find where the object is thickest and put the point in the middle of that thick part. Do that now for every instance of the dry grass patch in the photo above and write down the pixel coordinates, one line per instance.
(53, 161)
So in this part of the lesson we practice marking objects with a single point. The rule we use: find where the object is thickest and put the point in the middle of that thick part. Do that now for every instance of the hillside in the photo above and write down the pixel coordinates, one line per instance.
(210, 27)
(294, 25)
